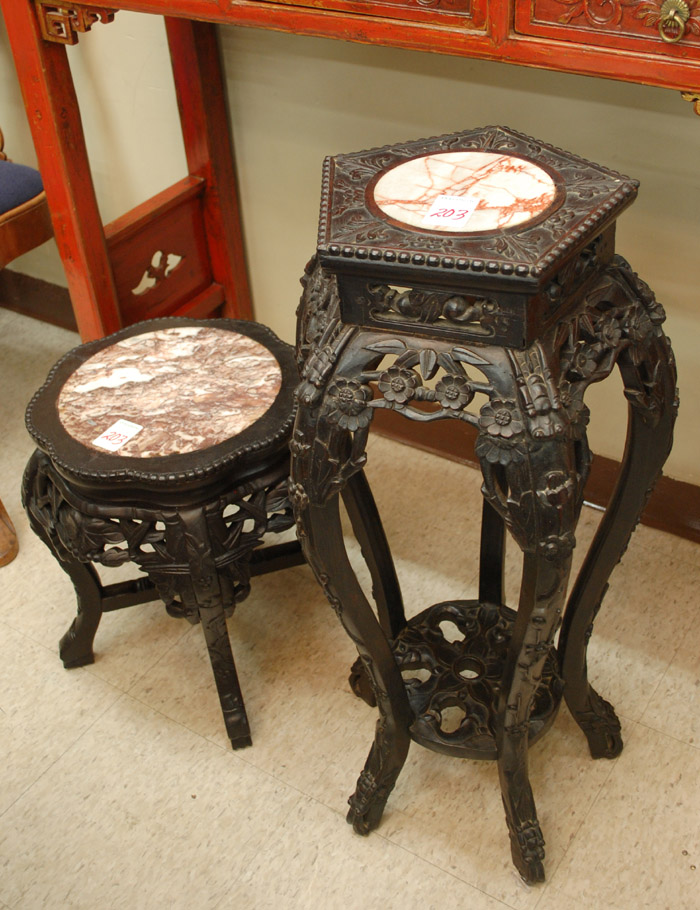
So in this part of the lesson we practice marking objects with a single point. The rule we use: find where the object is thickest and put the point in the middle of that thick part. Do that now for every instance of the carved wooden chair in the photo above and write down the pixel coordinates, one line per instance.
(24, 224)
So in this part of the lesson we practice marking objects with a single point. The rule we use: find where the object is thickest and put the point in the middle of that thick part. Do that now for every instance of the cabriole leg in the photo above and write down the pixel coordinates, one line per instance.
(47, 511)
(323, 536)
(649, 378)
(533, 469)
(325, 458)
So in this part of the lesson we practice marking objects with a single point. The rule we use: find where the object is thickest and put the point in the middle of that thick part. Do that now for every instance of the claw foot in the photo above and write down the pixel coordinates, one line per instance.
(601, 727)
(527, 849)
(367, 804)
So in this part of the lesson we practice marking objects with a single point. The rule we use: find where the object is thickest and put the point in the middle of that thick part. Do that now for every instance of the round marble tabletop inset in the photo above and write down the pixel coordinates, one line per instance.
(498, 191)
(185, 388)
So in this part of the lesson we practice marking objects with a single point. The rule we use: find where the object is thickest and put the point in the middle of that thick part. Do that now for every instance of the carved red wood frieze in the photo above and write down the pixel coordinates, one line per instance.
(652, 13)
(606, 13)
(61, 23)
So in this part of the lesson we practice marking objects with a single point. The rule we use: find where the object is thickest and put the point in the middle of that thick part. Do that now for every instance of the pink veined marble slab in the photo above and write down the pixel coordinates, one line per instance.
(188, 387)
(503, 190)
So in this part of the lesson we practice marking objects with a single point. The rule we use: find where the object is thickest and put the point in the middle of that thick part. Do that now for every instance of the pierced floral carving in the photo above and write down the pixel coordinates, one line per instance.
(454, 392)
(576, 411)
(482, 317)
(501, 428)
(161, 544)
(346, 404)
(535, 460)
(62, 22)
(465, 673)
(398, 384)
(573, 313)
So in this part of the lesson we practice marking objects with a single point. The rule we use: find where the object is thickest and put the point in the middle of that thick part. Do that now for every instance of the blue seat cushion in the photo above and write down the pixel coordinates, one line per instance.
(18, 184)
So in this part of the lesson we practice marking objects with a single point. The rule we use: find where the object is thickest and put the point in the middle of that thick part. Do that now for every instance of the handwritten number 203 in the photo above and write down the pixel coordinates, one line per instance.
(114, 437)
(450, 213)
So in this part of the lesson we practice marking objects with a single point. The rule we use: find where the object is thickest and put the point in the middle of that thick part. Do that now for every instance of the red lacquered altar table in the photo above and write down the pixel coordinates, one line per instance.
(653, 42)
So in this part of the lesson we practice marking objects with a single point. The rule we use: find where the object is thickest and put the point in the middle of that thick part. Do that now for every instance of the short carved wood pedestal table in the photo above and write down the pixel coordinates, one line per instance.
(166, 445)
(473, 277)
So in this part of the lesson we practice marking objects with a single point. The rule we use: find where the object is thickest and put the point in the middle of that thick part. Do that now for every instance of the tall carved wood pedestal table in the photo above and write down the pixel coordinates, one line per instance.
(473, 278)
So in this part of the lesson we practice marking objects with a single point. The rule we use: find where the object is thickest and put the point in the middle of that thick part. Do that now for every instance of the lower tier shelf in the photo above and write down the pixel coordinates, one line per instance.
(452, 657)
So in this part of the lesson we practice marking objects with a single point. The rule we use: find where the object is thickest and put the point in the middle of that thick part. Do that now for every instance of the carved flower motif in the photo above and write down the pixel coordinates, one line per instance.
(656, 312)
(556, 546)
(501, 426)
(398, 384)
(347, 404)
(454, 392)
(576, 410)
(584, 360)
(638, 325)
(501, 418)
(609, 330)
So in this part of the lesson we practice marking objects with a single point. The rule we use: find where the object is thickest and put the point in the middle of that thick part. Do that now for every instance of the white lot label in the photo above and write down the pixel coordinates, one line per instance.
(117, 435)
(450, 210)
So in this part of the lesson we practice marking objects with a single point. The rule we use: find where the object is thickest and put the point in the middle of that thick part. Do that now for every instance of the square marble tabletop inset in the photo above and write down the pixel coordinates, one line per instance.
(187, 388)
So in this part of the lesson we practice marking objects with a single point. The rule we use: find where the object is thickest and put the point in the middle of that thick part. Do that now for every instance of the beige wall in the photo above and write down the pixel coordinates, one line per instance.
(294, 100)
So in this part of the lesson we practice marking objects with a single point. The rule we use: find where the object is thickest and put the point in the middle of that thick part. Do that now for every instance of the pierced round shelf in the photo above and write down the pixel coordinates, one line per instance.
(453, 681)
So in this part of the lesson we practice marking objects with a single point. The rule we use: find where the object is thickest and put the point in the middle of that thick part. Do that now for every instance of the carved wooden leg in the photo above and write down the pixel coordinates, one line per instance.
(386, 592)
(649, 378)
(206, 587)
(325, 456)
(326, 549)
(213, 621)
(532, 479)
(541, 598)
(42, 501)
(76, 646)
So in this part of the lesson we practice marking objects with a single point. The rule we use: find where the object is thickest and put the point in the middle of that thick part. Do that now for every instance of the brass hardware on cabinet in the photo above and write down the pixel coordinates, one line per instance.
(673, 16)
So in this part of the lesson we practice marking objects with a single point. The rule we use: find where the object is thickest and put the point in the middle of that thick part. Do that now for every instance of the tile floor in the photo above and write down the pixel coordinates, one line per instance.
(119, 788)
